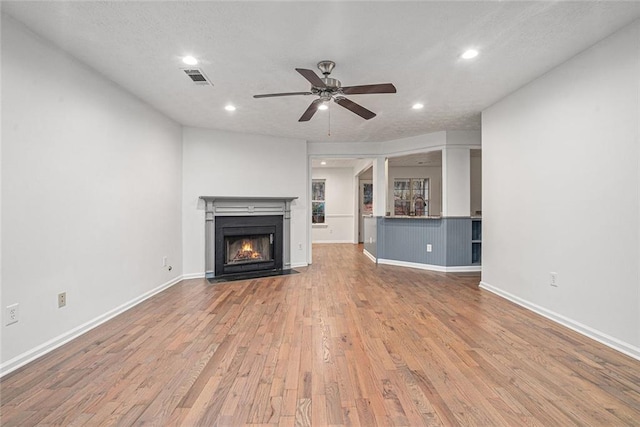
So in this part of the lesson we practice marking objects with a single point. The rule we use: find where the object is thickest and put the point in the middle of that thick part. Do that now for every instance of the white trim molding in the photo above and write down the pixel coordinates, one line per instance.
(431, 267)
(321, 242)
(369, 255)
(42, 349)
(193, 276)
(601, 337)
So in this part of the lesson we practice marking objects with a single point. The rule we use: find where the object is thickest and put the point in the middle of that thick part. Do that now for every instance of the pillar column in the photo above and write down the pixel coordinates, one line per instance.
(456, 182)
(380, 169)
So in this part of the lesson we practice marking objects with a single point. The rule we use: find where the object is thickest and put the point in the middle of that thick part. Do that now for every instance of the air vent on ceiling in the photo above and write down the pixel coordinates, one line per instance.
(197, 76)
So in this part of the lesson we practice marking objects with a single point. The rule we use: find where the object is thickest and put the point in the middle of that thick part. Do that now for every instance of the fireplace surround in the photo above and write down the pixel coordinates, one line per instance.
(247, 235)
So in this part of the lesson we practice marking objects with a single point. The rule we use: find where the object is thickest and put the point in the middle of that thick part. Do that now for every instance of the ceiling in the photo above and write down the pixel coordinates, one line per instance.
(249, 48)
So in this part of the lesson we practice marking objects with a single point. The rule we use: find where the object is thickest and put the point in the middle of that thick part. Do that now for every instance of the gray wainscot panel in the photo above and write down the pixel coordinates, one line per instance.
(406, 239)
(458, 241)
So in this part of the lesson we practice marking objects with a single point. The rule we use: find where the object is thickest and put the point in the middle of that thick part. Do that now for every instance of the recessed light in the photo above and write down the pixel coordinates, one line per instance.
(417, 106)
(230, 108)
(471, 53)
(323, 107)
(190, 60)
(323, 163)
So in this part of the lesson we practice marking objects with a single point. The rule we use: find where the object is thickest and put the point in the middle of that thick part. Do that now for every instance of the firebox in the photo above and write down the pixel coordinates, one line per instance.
(248, 244)
(243, 249)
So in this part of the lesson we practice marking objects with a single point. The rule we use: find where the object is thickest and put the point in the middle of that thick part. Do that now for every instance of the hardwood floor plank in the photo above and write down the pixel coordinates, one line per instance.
(344, 342)
(303, 412)
(289, 402)
(261, 410)
(319, 416)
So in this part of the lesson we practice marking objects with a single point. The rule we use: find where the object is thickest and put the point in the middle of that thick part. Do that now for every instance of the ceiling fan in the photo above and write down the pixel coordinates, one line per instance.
(328, 88)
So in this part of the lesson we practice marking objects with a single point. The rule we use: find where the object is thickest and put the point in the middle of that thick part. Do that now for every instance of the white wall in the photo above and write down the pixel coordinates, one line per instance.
(340, 200)
(90, 195)
(435, 184)
(219, 163)
(561, 192)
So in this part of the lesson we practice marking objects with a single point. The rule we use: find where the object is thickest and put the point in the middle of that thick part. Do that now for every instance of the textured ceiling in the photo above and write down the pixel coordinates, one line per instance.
(249, 48)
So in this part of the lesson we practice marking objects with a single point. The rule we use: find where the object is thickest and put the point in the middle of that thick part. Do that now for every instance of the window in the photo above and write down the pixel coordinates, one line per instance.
(317, 201)
(411, 196)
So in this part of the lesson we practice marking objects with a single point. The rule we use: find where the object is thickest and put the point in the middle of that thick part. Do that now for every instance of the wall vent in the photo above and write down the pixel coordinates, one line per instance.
(197, 76)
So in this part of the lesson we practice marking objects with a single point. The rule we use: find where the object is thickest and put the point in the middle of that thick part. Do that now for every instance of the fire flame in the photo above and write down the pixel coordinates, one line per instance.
(247, 252)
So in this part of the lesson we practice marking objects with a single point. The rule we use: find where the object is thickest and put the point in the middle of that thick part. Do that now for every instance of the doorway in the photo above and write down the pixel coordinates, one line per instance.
(365, 203)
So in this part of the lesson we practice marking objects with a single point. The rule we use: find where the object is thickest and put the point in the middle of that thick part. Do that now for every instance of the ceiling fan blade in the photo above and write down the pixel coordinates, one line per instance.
(312, 77)
(271, 95)
(306, 116)
(355, 108)
(364, 89)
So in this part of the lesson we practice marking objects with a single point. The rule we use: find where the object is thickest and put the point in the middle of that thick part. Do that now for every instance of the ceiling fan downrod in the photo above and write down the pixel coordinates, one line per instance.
(326, 67)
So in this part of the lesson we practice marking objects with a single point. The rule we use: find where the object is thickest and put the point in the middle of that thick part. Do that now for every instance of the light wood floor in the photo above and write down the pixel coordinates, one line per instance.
(345, 342)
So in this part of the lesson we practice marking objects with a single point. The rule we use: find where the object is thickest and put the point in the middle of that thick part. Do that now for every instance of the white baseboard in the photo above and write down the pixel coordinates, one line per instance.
(431, 267)
(193, 276)
(321, 242)
(39, 351)
(369, 255)
(609, 341)
(299, 265)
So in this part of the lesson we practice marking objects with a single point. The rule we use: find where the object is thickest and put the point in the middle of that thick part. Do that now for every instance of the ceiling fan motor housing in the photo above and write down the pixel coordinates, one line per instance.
(332, 83)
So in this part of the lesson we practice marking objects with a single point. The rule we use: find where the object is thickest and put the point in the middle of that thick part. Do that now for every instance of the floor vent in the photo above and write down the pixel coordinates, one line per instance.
(197, 76)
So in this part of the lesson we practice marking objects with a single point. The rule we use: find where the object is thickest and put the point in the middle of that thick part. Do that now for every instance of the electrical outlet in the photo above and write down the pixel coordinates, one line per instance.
(164, 261)
(429, 247)
(299, 246)
(13, 314)
(62, 299)
(553, 279)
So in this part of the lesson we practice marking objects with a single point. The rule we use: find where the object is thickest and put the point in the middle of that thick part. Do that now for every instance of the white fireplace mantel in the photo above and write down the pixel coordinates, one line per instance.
(245, 206)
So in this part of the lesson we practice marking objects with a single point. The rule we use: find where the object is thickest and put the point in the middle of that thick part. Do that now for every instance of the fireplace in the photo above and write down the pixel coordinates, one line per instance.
(247, 235)
(248, 244)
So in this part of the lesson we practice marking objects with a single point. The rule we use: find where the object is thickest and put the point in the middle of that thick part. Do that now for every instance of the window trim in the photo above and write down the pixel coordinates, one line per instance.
(318, 219)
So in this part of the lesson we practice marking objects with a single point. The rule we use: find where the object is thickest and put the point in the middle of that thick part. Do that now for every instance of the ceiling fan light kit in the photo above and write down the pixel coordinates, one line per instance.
(328, 88)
